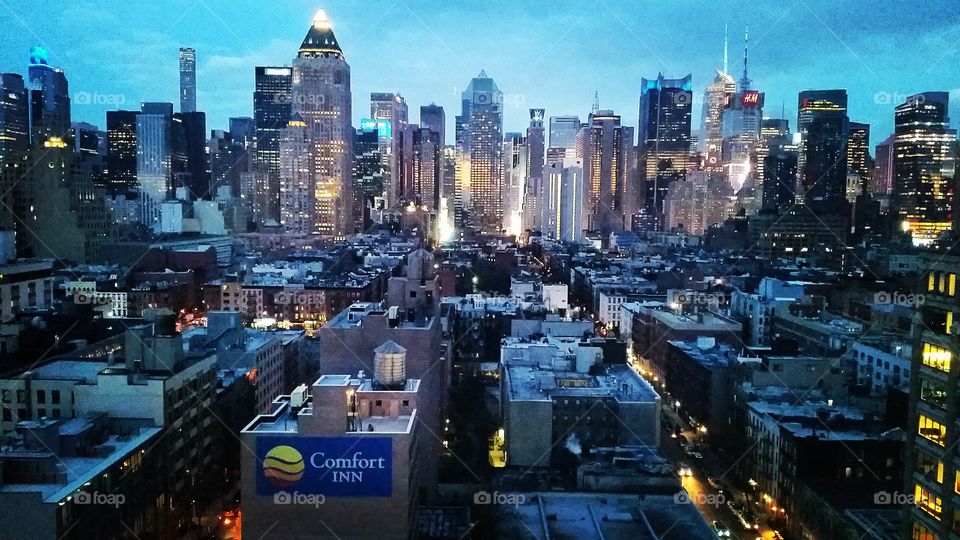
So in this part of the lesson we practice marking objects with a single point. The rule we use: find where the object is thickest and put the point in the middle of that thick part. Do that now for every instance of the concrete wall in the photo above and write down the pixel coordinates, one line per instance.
(528, 426)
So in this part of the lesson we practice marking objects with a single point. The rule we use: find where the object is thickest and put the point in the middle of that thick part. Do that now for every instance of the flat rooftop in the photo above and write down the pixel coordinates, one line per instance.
(79, 470)
(529, 383)
(601, 516)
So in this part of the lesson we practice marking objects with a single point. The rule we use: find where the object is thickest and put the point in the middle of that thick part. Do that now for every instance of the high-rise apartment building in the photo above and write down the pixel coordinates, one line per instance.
(271, 113)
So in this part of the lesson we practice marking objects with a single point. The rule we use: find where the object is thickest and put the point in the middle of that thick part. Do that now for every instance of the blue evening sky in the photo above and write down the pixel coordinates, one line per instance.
(553, 55)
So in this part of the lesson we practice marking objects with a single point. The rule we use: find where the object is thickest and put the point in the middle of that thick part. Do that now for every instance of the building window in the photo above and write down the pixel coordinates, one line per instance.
(932, 430)
(413, 294)
(55, 397)
(921, 533)
(406, 403)
(930, 467)
(7, 415)
(936, 357)
(41, 396)
(933, 393)
(927, 501)
(379, 403)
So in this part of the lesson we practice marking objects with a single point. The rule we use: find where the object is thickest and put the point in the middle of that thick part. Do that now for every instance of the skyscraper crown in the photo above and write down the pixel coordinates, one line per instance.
(320, 39)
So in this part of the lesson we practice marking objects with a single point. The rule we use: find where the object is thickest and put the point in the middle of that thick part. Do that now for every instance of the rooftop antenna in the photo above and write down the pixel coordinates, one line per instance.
(745, 81)
(596, 101)
(725, 61)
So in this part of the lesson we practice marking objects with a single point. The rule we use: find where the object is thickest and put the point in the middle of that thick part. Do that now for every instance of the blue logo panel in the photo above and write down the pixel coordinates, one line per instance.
(329, 466)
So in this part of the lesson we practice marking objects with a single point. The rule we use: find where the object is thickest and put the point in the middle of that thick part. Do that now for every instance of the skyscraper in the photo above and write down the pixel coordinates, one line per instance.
(924, 164)
(932, 471)
(858, 150)
(367, 172)
(195, 149)
(715, 100)
(49, 98)
(271, 113)
(664, 137)
(532, 211)
(14, 145)
(321, 98)
(822, 163)
(563, 131)
(779, 180)
(607, 150)
(188, 80)
(391, 108)
(880, 185)
(515, 157)
(121, 151)
(433, 118)
(154, 160)
(479, 145)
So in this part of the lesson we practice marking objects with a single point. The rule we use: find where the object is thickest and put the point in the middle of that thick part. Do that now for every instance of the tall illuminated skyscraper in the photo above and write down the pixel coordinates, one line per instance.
(122, 151)
(321, 98)
(391, 108)
(154, 160)
(663, 138)
(822, 162)
(14, 144)
(188, 80)
(607, 171)
(49, 98)
(271, 113)
(924, 164)
(715, 99)
(532, 211)
(479, 156)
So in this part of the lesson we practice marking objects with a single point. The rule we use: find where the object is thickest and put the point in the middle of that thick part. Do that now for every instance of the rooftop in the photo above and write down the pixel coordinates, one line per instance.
(530, 383)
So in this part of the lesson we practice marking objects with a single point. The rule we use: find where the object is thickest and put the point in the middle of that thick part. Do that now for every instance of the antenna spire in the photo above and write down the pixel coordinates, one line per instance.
(725, 61)
(596, 101)
(745, 81)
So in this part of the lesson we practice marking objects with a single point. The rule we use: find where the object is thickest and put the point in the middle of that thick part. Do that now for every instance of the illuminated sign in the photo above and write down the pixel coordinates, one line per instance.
(751, 99)
(382, 127)
(273, 72)
(328, 466)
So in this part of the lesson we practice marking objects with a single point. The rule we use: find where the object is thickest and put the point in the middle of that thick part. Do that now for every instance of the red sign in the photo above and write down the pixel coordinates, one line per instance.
(751, 98)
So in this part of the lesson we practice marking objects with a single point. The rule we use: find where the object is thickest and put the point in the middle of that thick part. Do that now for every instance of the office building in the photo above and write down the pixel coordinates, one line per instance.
(822, 162)
(49, 98)
(321, 100)
(924, 163)
(532, 212)
(188, 80)
(271, 113)
(479, 141)
(663, 138)
(154, 160)
(563, 132)
(433, 118)
(608, 171)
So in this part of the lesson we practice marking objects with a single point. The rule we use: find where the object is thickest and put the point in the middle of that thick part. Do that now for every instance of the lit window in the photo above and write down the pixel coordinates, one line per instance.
(936, 357)
(927, 501)
(952, 285)
(932, 430)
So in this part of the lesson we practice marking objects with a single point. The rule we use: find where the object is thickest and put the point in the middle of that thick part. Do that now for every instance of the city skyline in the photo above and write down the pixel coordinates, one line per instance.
(887, 55)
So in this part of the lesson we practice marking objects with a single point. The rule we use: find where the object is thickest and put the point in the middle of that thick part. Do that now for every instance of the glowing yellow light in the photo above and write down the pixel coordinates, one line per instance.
(321, 21)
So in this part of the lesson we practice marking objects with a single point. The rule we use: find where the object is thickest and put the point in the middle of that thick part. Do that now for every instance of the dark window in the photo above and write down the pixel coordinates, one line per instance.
(41, 396)
(406, 403)
(55, 397)
(379, 403)
(413, 294)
